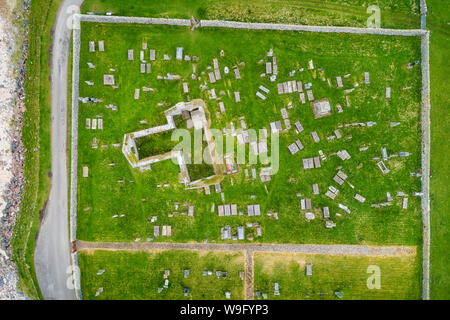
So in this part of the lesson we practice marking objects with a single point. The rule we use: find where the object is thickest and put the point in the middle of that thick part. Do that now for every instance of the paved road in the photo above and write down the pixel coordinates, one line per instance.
(52, 255)
(355, 250)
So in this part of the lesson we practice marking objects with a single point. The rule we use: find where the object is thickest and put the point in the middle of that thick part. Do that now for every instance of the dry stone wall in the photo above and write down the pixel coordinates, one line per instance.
(76, 36)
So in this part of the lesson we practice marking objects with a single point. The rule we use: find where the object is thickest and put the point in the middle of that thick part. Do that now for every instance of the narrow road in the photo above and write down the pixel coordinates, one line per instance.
(52, 255)
(353, 250)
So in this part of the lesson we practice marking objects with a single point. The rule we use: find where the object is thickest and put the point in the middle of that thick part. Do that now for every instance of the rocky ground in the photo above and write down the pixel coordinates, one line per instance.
(13, 53)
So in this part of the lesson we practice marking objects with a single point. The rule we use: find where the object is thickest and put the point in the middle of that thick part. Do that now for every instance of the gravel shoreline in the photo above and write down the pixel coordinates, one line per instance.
(12, 151)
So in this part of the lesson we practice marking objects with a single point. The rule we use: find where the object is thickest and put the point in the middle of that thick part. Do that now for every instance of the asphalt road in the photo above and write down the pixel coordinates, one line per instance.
(52, 255)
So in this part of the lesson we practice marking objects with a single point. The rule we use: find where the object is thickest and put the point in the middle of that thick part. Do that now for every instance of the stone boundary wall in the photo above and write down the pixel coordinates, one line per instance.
(74, 159)
(76, 276)
(153, 130)
(426, 146)
(425, 112)
(291, 27)
(137, 20)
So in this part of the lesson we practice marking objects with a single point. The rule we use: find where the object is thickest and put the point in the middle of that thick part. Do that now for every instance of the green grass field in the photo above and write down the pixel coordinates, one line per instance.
(139, 198)
(400, 277)
(394, 14)
(138, 275)
(438, 23)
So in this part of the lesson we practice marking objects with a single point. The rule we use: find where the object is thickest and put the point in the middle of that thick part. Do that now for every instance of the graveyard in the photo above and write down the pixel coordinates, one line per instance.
(357, 117)
(161, 275)
(343, 111)
(322, 277)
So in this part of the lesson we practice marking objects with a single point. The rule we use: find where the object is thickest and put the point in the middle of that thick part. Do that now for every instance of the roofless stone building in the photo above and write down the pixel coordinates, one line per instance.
(198, 115)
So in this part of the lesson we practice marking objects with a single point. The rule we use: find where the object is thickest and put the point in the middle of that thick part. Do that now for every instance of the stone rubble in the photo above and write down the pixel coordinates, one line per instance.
(12, 151)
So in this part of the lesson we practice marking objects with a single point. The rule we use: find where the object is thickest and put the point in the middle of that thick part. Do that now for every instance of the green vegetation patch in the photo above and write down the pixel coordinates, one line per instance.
(199, 170)
(394, 14)
(138, 275)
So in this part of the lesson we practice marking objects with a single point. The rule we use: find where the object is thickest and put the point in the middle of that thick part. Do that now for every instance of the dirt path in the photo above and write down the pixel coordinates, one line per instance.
(353, 250)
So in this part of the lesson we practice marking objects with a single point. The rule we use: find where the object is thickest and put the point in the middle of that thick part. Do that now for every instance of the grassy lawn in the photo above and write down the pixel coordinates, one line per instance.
(138, 197)
(367, 225)
(440, 101)
(400, 277)
(36, 138)
(394, 14)
(138, 275)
